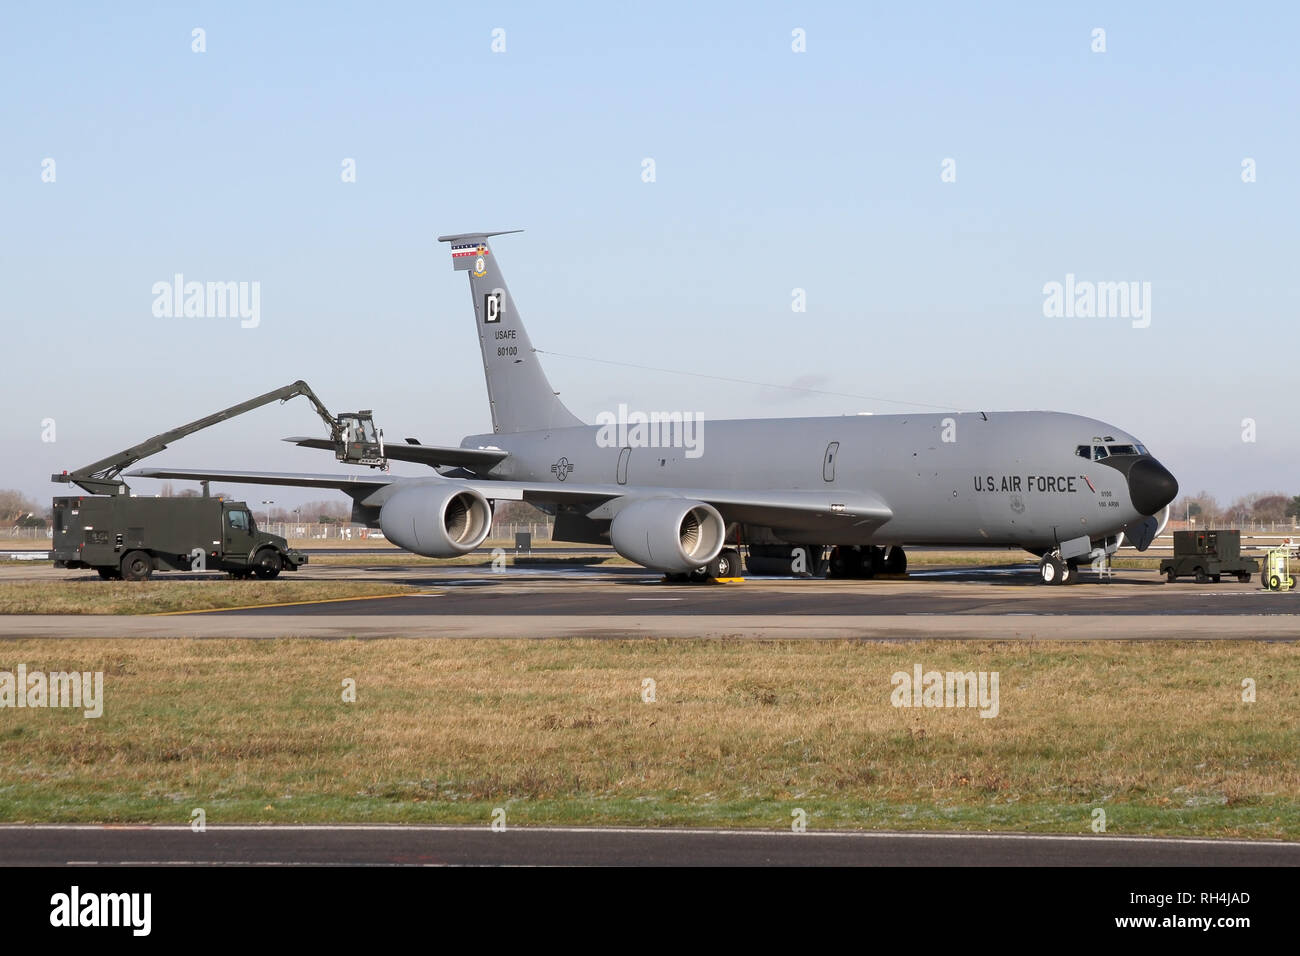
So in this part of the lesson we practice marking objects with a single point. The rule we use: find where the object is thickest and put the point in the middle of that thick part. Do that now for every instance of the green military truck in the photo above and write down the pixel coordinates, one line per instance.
(1206, 555)
(124, 537)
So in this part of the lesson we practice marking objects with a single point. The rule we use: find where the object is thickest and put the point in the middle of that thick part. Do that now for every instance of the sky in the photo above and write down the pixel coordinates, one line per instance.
(921, 172)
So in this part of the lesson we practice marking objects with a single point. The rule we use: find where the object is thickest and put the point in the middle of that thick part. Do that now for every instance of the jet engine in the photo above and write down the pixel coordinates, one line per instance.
(436, 522)
(668, 534)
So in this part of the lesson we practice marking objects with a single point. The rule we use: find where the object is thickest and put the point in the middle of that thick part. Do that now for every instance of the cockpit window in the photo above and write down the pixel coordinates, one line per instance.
(1084, 451)
(1123, 450)
(1099, 452)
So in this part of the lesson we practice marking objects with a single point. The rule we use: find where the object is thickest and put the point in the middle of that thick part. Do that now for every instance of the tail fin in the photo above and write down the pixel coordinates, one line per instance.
(521, 397)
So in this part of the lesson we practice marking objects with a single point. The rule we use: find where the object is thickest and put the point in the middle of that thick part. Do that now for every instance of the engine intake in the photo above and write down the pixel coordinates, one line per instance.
(436, 522)
(668, 534)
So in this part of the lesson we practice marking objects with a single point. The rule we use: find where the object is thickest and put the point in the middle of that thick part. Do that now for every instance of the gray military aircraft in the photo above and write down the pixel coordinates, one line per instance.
(1066, 488)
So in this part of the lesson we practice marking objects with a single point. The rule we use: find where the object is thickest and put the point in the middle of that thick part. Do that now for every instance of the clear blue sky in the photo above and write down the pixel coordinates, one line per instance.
(775, 170)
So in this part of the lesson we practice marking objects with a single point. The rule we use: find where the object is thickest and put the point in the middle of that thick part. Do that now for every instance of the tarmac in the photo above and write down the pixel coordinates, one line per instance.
(596, 602)
(406, 845)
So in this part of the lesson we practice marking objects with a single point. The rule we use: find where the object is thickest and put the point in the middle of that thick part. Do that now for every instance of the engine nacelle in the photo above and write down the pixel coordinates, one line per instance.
(668, 534)
(436, 522)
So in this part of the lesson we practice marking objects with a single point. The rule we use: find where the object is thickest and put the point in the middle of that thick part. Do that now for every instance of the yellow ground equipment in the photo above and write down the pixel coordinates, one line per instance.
(1277, 568)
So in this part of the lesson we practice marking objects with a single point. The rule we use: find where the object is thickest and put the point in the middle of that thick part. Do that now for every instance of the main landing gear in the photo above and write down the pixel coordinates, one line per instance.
(725, 565)
(866, 562)
(1053, 570)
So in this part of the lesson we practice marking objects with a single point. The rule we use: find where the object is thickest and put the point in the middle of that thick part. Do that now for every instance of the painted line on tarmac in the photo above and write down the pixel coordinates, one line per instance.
(255, 607)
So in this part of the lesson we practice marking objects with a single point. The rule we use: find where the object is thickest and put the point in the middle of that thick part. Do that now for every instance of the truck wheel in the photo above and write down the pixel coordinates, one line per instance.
(1244, 578)
(267, 564)
(1201, 576)
(1214, 578)
(137, 566)
(1170, 577)
(109, 574)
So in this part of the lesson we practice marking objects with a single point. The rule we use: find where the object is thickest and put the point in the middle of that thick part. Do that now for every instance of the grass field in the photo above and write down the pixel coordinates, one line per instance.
(89, 595)
(740, 733)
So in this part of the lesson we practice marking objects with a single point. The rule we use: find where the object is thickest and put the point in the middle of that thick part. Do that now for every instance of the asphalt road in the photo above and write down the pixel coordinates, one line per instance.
(56, 845)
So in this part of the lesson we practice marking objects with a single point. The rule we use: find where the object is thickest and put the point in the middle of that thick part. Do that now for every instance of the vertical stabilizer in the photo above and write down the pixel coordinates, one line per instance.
(520, 395)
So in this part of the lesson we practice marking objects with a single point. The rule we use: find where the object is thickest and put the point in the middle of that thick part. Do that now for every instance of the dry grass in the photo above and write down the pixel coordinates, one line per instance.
(741, 733)
(83, 595)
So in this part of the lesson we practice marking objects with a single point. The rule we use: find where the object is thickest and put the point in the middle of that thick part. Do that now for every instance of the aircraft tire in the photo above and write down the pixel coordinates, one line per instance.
(1050, 569)
(725, 565)
(847, 562)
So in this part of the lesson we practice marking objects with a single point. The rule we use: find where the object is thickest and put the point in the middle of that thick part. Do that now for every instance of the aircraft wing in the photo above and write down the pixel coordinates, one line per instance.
(756, 506)
(341, 482)
(479, 459)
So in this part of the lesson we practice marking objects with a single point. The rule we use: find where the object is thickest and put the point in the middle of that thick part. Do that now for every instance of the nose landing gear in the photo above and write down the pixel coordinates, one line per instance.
(1053, 570)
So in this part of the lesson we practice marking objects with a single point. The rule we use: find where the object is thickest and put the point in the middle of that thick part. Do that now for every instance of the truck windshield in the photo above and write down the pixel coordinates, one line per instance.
(239, 520)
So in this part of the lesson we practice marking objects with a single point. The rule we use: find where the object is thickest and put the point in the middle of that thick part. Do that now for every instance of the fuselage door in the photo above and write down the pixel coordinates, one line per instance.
(623, 455)
(828, 463)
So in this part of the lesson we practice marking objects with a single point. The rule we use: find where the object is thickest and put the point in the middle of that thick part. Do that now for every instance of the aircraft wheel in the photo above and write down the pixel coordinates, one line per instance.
(725, 565)
(674, 577)
(1050, 569)
(847, 562)
(896, 560)
(1070, 573)
(698, 576)
(267, 564)
(137, 566)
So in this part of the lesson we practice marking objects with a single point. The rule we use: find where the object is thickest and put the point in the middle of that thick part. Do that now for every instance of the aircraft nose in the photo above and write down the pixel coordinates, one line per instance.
(1150, 486)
